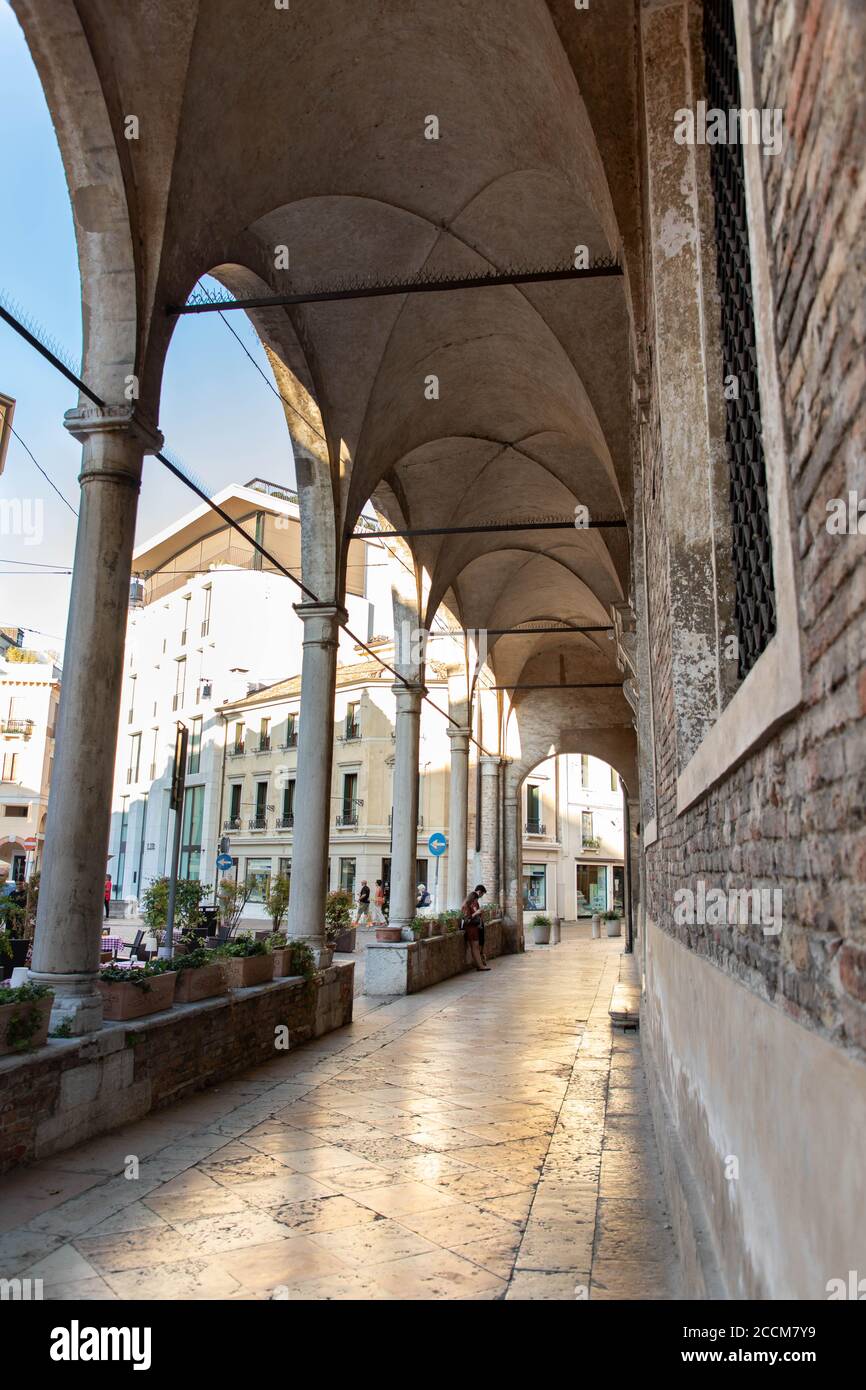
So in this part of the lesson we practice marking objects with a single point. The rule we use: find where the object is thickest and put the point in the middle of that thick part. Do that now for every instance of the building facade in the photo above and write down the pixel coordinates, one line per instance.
(573, 838)
(29, 696)
(208, 622)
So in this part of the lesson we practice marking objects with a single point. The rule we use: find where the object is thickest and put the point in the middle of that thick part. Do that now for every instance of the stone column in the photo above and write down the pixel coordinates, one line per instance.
(69, 923)
(312, 831)
(512, 840)
(457, 814)
(490, 868)
(404, 841)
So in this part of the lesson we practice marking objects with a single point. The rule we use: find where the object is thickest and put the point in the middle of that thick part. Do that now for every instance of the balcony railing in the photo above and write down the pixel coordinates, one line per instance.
(285, 822)
(291, 742)
(24, 727)
(350, 733)
(590, 842)
(237, 750)
(205, 627)
(264, 745)
(258, 823)
(536, 827)
(232, 824)
(349, 814)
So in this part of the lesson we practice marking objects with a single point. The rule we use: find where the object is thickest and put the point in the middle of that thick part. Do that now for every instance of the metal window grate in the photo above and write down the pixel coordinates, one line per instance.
(755, 602)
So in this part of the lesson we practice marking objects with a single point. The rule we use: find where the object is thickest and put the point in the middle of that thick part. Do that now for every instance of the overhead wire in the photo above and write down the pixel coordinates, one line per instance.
(182, 475)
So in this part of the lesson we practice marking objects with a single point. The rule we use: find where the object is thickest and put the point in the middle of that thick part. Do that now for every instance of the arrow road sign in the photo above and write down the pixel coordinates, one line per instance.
(224, 861)
(437, 844)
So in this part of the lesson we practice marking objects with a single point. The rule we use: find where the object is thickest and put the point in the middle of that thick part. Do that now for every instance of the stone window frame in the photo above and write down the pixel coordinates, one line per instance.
(773, 689)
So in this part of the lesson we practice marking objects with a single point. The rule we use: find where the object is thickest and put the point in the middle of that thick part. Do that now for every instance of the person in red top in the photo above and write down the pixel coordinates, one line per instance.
(473, 927)
(107, 895)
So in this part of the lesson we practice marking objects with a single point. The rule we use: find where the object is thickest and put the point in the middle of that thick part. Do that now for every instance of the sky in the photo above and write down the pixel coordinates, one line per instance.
(206, 369)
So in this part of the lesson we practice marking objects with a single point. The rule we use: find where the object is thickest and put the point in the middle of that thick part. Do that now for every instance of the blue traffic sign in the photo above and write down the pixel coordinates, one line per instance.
(437, 844)
(224, 861)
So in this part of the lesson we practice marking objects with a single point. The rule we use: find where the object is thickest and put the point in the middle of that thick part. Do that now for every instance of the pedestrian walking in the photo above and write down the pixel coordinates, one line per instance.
(107, 896)
(363, 904)
(379, 903)
(472, 922)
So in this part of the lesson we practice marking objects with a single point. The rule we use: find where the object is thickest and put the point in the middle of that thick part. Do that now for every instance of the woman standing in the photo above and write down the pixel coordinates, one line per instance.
(472, 922)
(379, 904)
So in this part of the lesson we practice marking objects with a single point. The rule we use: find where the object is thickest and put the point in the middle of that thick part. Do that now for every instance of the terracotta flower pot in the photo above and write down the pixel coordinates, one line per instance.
(388, 934)
(121, 1000)
(9, 1012)
(204, 983)
(243, 971)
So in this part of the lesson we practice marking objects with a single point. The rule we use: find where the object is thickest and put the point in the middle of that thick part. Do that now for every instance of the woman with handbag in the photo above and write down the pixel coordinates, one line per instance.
(472, 923)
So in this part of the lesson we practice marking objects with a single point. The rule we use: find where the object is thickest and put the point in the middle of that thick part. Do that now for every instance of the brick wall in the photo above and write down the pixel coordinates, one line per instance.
(72, 1090)
(792, 816)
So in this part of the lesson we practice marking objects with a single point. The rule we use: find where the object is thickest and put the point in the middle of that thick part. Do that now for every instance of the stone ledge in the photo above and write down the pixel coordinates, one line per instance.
(405, 967)
(75, 1088)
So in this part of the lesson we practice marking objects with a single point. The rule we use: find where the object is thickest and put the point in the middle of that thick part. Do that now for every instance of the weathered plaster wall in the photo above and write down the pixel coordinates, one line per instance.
(751, 1085)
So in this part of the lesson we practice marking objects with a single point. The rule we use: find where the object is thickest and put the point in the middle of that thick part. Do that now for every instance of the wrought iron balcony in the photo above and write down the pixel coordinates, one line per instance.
(232, 824)
(237, 750)
(350, 733)
(258, 823)
(291, 742)
(349, 814)
(536, 827)
(590, 842)
(22, 727)
(285, 822)
(264, 745)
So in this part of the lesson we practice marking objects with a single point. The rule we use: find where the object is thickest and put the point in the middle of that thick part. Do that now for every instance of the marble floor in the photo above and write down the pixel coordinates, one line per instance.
(489, 1138)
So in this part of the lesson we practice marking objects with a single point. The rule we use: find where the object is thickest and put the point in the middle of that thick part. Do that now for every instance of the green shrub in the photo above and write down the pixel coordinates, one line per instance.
(27, 1020)
(241, 948)
(338, 913)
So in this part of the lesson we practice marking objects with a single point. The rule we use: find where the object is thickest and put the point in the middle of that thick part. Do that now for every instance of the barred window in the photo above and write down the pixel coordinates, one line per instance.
(755, 599)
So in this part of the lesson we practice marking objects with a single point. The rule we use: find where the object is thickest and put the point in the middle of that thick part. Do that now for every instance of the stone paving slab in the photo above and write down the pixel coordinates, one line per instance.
(487, 1139)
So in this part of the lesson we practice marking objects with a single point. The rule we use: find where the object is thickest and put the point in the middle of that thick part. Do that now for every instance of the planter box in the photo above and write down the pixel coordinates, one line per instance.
(345, 942)
(9, 1012)
(388, 934)
(614, 928)
(204, 983)
(541, 935)
(243, 971)
(123, 1001)
(282, 962)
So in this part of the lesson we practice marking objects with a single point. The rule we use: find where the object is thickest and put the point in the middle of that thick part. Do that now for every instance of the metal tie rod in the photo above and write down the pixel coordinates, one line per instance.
(431, 285)
(484, 530)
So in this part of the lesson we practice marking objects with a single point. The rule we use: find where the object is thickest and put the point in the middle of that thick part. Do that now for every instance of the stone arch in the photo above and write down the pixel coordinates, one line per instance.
(102, 195)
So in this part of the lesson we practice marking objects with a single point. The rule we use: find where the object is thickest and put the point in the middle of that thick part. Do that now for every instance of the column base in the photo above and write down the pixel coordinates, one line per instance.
(77, 1006)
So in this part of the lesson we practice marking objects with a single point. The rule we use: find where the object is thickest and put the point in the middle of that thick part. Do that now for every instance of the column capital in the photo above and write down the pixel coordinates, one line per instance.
(409, 696)
(320, 608)
(88, 420)
(458, 733)
(491, 763)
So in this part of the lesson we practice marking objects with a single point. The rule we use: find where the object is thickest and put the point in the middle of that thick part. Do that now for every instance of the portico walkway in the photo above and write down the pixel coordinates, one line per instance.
(487, 1139)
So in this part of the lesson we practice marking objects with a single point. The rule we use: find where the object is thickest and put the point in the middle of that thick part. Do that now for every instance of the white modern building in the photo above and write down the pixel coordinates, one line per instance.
(573, 838)
(209, 621)
(29, 695)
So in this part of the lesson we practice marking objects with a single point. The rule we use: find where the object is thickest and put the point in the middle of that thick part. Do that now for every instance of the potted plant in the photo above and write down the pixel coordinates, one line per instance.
(278, 945)
(128, 992)
(420, 927)
(338, 916)
(189, 893)
(301, 959)
(449, 921)
(232, 898)
(613, 923)
(541, 930)
(199, 975)
(246, 962)
(17, 929)
(24, 1017)
(277, 901)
